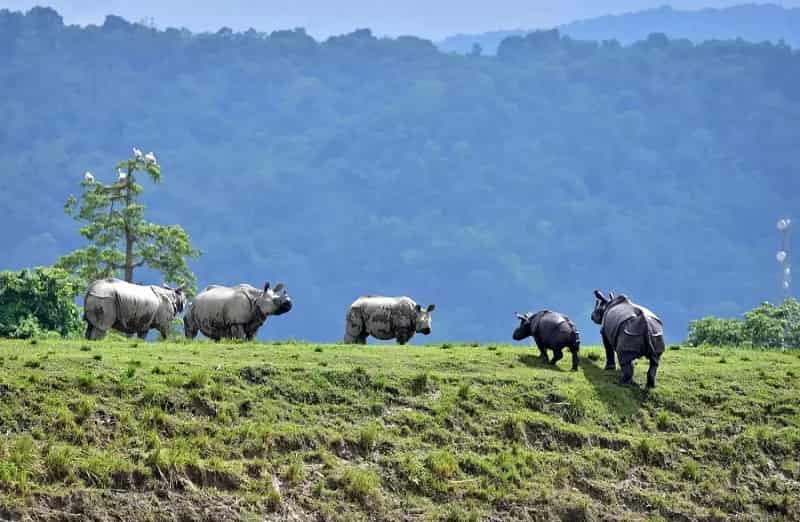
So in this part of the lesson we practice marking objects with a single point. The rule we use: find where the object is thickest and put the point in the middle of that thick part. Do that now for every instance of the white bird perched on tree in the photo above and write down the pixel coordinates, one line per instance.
(151, 157)
(137, 153)
(88, 177)
(122, 175)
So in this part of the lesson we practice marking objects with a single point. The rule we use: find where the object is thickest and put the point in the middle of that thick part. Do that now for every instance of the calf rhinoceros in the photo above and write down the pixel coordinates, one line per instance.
(234, 312)
(630, 330)
(129, 308)
(550, 330)
(386, 318)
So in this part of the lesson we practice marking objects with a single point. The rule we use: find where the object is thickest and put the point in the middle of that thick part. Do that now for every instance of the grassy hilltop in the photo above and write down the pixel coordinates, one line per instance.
(126, 430)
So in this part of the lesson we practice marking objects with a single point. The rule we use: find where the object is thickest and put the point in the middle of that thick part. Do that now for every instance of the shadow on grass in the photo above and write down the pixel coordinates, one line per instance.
(624, 401)
(534, 361)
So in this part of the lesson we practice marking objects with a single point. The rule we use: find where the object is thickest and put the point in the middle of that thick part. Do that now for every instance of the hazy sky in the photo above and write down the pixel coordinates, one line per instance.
(428, 18)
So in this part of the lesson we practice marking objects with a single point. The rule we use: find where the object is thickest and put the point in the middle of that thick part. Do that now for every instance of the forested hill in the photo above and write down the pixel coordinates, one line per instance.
(751, 22)
(360, 165)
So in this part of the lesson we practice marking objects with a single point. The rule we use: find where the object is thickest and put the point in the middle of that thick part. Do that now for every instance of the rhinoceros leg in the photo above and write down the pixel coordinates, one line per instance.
(627, 373)
(574, 349)
(558, 354)
(610, 364)
(94, 333)
(164, 331)
(237, 331)
(542, 348)
(651, 372)
(189, 329)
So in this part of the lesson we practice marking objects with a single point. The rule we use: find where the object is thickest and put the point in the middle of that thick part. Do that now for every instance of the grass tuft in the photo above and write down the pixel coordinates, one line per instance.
(360, 485)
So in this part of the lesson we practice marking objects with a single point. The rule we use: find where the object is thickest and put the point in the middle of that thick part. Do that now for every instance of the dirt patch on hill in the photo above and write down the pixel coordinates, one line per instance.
(107, 506)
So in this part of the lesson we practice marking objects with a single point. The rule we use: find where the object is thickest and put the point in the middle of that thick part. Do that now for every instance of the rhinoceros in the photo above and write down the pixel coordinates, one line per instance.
(386, 318)
(129, 308)
(630, 330)
(550, 330)
(234, 312)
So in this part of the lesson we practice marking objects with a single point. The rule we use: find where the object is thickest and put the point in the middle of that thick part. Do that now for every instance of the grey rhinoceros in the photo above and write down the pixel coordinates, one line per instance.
(386, 318)
(630, 330)
(550, 330)
(234, 312)
(129, 308)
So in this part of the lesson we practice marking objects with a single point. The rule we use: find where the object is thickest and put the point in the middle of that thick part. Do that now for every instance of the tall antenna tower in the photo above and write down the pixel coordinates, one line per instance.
(784, 259)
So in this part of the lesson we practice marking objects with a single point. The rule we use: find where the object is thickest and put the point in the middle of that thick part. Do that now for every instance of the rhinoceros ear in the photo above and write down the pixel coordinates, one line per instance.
(278, 288)
(431, 308)
(599, 296)
(611, 296)
(266, 286)
(418, 308)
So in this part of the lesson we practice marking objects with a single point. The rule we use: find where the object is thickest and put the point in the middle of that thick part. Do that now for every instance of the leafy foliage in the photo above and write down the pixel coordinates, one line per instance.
(766, 326)
(121, 239)
(485, 184)
(773, 326)
(716, 331)
(39, 300)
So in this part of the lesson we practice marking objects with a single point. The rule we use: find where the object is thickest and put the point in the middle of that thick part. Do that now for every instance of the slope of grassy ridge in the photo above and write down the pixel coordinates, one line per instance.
(130, 430)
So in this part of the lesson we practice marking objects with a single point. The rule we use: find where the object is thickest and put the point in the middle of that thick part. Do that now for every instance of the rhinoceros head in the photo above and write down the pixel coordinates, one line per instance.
(178, 298)
(422, 319)
(524, 328)
(274, 301)
(600, 306)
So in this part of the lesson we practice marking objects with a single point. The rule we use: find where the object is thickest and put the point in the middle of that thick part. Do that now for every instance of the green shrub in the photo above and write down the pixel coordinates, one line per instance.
(36, 301)
(766, 326)
(719, 332)
(770, 326)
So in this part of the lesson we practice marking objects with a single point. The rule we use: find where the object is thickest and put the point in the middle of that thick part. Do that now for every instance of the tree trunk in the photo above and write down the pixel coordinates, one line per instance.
(128, 236)
(128, 257)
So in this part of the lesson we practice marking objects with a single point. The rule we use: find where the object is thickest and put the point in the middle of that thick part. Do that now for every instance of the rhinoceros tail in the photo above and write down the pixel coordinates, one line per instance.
(648, 335)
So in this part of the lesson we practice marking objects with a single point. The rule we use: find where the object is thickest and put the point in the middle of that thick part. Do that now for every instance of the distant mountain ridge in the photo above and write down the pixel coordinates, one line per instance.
(751, 22)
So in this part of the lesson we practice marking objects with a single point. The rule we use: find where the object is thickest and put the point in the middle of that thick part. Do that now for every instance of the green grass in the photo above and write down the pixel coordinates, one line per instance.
(250, 431)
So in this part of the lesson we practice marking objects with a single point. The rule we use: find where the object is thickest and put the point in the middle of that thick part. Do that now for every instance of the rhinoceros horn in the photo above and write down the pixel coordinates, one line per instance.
(519, 316)
(600, 296)
(266, 286)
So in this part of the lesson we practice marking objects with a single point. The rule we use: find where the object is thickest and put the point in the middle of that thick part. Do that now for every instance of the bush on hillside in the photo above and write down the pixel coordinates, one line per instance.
(766, 326)
(716, 331)
(36, 301)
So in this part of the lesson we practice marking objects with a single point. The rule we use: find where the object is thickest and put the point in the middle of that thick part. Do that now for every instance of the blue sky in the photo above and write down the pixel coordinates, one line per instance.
(428, 18)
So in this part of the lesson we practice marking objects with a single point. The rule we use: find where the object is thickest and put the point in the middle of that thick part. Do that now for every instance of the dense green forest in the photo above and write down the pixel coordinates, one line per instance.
(364, 165)
(751, 22)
